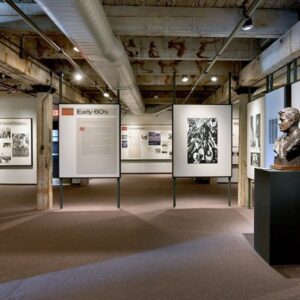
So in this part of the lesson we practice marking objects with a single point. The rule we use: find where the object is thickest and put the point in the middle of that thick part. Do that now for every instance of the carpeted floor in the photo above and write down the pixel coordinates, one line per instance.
(146, 250)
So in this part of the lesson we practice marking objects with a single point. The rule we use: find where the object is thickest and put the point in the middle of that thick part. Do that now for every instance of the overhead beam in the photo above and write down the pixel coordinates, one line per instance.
(195, 22)
(285, 49)
(176, 21)
(29, 72)
(168, 67)
(221, 96)
(184, 48)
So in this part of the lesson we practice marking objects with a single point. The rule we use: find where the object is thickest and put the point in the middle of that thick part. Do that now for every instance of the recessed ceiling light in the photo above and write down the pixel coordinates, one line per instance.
(106, 94)
(184, 78)
(78, 76)
(76, 49)
(214, 78)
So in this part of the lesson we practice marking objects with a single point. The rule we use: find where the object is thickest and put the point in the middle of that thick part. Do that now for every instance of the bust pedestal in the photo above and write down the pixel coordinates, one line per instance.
(277, 216)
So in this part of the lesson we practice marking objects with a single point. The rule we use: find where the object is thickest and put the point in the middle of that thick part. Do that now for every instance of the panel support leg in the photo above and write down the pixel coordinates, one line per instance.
(61, 193)
(229, 191)
(174, 192)
(118, 193)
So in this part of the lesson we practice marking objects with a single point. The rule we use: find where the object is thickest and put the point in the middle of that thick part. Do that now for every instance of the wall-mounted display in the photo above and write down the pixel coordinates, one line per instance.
(274, 102)
(255, 133)
(89, 140)
(295, 101)
(15, 142)
(146, 142)
(235, 141)
(202, 140)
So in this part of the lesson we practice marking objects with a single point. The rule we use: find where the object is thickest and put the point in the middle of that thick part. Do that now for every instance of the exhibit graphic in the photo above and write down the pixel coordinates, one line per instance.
(255, 136)
(255, 159)
(89, 141)
(146, 142)
(202, 141)
(15, 142)
(255, 132)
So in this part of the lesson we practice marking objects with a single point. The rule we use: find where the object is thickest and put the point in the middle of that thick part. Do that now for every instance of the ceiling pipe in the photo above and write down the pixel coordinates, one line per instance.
(87, 27)
(52, 44)
(246, 16)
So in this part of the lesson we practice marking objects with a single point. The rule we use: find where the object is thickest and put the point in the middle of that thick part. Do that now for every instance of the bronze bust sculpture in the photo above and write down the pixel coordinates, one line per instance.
(287, 146)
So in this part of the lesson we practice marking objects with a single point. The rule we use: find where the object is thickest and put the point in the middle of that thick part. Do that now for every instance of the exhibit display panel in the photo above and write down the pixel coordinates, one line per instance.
(255, 136)
(152, 142)
(274, 102)
(89, 141)
(202, 141)
(15, 142)
(296, 95)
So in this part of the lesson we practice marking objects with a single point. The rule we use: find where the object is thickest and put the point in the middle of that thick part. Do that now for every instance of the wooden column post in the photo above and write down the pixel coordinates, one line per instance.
(243, 179)
(44, 148)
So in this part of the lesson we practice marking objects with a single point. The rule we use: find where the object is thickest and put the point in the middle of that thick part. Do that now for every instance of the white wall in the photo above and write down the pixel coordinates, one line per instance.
(19, 107)
(164, 118)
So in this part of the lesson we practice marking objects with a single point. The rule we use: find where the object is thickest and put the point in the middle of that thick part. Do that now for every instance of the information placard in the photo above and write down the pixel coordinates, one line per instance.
(146, 142)
(89, 140)
(202, 140)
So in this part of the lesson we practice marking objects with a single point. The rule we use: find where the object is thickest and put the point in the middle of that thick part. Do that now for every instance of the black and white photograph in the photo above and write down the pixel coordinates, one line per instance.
(202, 141)
(20, 145)
(255, 159)
(124, 144)
(5, 159)
(15, 142)
(154, 138)
(255, 131)
(5, 133)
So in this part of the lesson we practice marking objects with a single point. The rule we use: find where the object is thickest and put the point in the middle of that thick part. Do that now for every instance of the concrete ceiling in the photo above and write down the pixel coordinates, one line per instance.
(164, 38)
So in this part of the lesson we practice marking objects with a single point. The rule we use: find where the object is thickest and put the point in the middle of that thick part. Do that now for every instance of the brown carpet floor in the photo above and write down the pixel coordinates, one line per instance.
(146, 250)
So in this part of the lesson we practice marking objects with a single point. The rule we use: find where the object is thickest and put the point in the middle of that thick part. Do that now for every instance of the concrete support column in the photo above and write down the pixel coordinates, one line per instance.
(243, 179)
(44, 150)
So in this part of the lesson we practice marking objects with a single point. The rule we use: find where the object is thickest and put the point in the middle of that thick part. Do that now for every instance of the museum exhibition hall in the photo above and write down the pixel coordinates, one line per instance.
(149, 149)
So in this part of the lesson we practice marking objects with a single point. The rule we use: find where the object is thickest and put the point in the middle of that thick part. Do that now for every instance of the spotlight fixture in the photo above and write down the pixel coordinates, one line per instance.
(106, 94)
(76, 49)
(184, 78)
(78, 76)
(248, 25)
(214, 78)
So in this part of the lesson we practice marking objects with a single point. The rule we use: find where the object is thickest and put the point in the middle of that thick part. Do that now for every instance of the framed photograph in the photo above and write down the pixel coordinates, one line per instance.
(15, 142)
(202, 140)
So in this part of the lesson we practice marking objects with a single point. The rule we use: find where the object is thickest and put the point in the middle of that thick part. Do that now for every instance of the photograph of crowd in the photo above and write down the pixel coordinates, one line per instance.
(202, 141)
(154, 138)
(255, 159)
(20, 145)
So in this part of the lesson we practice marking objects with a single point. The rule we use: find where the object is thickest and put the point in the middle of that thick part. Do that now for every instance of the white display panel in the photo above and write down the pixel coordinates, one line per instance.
(89, 140)
(296, 95)
(274, 102)
(255, 136)
(202, 140)
(15, 142)
(146, 142)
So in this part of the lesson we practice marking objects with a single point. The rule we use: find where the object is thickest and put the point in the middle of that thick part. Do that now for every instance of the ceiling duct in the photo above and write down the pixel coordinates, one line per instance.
(85, 24)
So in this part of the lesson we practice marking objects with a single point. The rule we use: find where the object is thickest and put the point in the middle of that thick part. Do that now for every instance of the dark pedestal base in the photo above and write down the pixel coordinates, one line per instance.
(277, 216)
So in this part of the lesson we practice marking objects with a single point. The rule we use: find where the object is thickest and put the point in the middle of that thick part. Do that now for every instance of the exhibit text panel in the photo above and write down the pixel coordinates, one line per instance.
(146, 142)
(255, 136)
(202, 140)
(15, 142)
(89, 141)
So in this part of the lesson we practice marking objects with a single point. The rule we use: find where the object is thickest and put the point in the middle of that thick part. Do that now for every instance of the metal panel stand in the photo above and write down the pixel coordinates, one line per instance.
(174, 192)
(61, 193)
(229, 191)
(118, 193)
